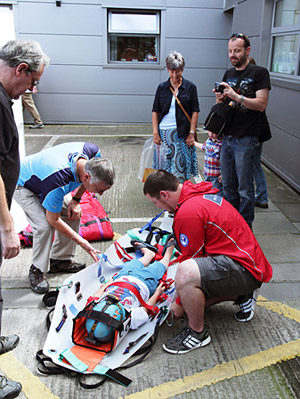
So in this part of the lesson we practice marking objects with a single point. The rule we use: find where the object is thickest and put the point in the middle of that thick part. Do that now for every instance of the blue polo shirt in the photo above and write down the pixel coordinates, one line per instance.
(52, 173)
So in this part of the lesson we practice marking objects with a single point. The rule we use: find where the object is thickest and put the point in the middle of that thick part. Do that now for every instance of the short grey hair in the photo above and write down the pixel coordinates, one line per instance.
(101, 170)
(175, 61)
(14, 52)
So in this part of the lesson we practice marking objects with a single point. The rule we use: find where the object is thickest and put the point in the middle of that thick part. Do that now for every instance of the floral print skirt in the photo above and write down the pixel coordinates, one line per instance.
(181, 160)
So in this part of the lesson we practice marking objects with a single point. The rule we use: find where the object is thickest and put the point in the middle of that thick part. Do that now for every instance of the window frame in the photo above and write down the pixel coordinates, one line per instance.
(157, 35)
(280, 31)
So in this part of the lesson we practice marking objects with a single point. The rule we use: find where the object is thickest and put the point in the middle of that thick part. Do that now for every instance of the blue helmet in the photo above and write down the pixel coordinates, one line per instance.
(103, 331)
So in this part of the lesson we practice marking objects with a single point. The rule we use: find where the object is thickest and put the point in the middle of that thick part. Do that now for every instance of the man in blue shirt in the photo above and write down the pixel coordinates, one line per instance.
(43, 191)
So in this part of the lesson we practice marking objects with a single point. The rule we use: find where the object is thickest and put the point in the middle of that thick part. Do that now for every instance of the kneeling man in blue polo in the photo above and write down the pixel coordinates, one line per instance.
(43, 191)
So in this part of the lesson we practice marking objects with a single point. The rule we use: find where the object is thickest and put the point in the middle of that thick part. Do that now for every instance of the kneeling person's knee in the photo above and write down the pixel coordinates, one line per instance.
(187, 274)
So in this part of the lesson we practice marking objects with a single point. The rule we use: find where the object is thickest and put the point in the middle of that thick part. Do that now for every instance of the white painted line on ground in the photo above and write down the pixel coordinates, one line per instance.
(51, 142)
(85, 135)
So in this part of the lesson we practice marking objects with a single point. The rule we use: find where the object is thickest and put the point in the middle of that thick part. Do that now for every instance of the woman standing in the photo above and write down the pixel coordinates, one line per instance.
(170, 124)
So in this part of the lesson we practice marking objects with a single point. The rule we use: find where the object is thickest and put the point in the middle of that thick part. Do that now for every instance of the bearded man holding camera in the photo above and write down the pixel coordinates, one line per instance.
(241, 135)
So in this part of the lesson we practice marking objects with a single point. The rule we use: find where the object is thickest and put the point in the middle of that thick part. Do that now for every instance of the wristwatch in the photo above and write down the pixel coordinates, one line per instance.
(192, 131)
(76, 199)
(242, 99)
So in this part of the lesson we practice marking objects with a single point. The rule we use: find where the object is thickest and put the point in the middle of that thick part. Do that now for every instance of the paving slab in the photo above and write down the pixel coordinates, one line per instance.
(273, 222)
(297, 225)
(278, 248)
(290, 210)
(281, 291)
(286, 272)
(283, 194)
(33, 145)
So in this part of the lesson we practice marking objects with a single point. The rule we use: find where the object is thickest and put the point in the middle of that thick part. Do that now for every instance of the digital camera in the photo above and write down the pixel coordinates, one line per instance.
(219, 88)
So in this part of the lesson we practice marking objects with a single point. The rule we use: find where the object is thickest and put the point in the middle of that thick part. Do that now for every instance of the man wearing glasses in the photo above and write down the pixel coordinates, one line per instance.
(46, 180)
(22, 64)
(241, 135)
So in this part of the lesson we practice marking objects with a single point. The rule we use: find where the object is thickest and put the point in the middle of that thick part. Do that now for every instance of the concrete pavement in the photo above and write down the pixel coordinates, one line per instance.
(259, 359)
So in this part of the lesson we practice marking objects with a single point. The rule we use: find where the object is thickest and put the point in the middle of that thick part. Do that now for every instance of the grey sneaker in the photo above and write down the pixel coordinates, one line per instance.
(187, 340)
(246, 305)
(9, 389)
(36, 126)
(8, 343)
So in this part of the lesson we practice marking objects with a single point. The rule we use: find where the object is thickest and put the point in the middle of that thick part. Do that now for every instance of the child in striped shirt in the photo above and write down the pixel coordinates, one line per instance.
(212, 167)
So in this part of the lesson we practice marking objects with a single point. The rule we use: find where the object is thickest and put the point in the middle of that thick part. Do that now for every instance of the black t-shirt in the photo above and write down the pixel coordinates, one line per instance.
(9, 145)
(246, 122)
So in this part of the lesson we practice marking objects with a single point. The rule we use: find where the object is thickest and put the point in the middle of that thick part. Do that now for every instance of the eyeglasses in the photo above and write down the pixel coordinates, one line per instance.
(97, 191)
(241, 36)
(33, 81)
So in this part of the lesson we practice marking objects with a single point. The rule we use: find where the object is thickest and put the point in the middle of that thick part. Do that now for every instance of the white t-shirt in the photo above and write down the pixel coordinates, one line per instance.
(130, 302)
(169, 120)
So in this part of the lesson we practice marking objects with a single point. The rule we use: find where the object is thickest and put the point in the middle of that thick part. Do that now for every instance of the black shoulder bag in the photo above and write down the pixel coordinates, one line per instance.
(221, 114)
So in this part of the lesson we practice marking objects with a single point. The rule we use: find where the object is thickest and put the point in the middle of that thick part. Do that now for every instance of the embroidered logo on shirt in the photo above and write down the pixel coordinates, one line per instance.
(217, 199)
(184, 240)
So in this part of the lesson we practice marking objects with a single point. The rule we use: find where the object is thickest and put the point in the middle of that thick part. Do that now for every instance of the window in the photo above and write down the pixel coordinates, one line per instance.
(133, 36)
(285, 37)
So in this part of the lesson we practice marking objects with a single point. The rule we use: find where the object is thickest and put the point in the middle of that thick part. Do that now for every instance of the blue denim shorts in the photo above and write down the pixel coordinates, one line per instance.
(224, 277)
(149, 275)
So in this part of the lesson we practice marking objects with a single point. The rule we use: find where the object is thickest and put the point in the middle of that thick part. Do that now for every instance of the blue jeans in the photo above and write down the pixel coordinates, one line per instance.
(215, 183)
(149, 275)
(237, 160)
(261, 195)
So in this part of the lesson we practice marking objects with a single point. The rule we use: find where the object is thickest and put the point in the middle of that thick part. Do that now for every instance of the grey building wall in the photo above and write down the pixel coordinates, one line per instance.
(81, 87)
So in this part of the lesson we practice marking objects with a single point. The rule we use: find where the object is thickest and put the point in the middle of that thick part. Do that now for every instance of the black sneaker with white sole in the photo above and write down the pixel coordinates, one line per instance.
(187, 340)
(246, 305)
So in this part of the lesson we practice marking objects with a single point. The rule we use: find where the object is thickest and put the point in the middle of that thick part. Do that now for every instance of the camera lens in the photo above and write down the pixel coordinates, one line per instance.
(219, 88)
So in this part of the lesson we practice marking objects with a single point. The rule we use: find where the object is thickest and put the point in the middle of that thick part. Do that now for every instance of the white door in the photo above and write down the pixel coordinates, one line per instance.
(7, 32)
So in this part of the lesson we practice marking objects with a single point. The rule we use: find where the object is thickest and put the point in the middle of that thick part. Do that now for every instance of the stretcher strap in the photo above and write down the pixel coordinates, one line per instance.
(97, 369)
(121, 252)
(73, 360)
(106, 260)
(113, 374)
(136, 292)
(148, 226)
(102, 317)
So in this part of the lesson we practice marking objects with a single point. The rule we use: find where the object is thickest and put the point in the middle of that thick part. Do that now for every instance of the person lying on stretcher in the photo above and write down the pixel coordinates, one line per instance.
(117, 301)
